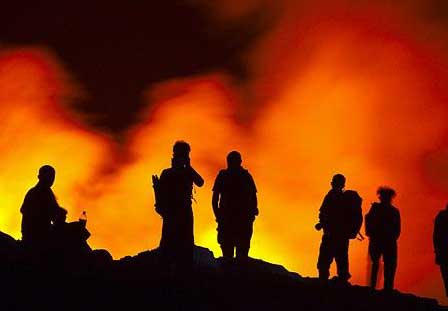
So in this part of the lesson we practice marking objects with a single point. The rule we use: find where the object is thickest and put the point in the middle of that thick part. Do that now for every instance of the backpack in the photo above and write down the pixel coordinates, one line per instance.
(353, 203)
(157, 195)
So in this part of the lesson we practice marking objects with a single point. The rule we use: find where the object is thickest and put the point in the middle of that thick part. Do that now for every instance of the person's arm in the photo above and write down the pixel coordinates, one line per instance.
(55, 210)
(26, 203)
(397, 225)
(436, 234)
(253, 196)
(254, 202)
(215, 204)
(217, 188)
(367, 225)
(197, 179)
(323, 213)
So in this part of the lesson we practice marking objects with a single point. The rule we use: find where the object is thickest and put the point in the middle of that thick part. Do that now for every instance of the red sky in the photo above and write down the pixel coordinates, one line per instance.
(353, 89)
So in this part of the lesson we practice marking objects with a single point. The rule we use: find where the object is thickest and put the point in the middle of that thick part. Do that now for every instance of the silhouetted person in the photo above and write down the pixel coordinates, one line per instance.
(235, 207)
(440, 240)
(383, 227)
(340, 217)
(39, 211)
(69, 248)
(173, 203)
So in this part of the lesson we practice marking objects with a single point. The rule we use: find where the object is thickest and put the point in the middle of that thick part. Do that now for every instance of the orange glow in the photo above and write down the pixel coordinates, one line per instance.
(330, 95)
(37, 130)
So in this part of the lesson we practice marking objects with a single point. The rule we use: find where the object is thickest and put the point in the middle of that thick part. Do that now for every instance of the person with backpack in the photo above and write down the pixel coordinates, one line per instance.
(174, 193)
(383, 227)
(340, 217)
(234, 204)
(440, 241)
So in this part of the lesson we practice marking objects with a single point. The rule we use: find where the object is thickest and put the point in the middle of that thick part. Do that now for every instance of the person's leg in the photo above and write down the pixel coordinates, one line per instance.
(226, 240)
(325, 257)
(168, 242)
(375, 258)
(390, 265)
(243, 241)
(184, 241)
(227, 251)
(444, 272)
(341, 255)
(242, 252)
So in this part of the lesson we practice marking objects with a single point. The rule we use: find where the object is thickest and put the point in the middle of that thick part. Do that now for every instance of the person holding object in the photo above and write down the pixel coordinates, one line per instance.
(340, 217)
(173, 192)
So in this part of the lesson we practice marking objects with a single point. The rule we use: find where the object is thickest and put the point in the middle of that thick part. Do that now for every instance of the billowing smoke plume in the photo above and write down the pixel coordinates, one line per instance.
(358, 89)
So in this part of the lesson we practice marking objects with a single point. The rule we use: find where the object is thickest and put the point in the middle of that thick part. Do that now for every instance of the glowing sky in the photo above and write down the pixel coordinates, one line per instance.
(359, 90)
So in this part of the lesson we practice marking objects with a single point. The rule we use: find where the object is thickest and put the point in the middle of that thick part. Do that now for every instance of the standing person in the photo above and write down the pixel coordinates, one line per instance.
(235, 207)
(40, 211)
(173, 202)
(340, 217)
(440, 240)
(383, 227)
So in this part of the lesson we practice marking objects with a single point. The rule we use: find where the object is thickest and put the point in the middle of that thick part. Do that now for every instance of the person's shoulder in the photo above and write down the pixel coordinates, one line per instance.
(333, 194)
(352, 195)
(395, 209)
(166, 171)
(442, 214)
(329, 198)
(246, 172)
(328, 195)
(374, 207)
(249, 179)
(221, 174)
(33, 191)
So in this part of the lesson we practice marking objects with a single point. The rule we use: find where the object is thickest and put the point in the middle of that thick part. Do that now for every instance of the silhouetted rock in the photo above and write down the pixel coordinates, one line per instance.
(146, 282)
(9, 249)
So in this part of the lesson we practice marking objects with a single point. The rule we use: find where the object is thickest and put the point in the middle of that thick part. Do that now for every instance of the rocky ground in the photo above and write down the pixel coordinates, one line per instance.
(143, 282)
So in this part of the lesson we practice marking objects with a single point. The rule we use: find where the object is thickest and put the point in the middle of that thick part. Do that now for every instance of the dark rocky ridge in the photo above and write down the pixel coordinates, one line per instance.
(142, 282)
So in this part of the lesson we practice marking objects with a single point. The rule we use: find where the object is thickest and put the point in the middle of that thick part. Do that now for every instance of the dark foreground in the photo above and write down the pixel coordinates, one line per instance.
(144, 283)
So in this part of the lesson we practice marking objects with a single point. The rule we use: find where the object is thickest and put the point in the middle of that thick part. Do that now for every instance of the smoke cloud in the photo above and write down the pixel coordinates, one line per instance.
(315, 89)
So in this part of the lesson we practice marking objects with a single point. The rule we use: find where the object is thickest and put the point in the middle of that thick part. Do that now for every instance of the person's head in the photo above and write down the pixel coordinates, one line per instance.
(234, 160)
(181, 153)
(181, 149)
(46, 175)
(338, 182)
(385, 194)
